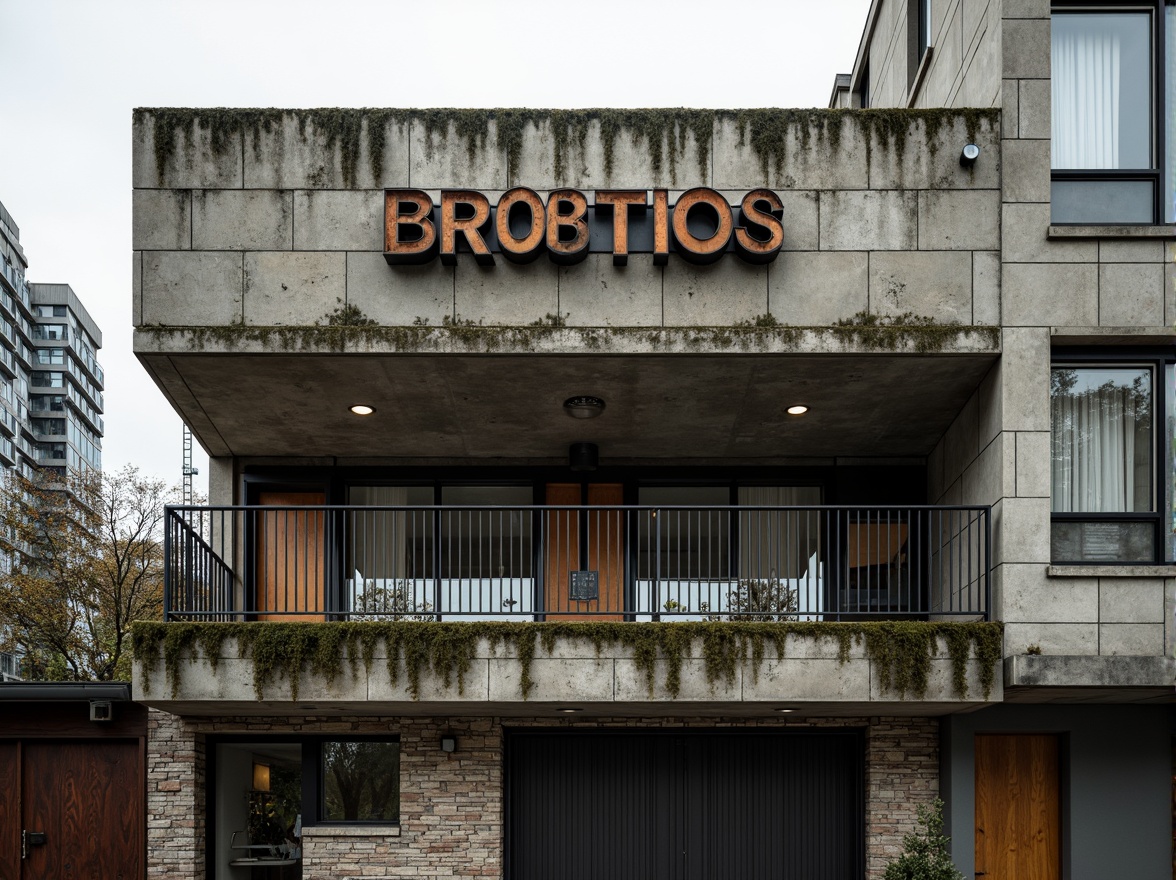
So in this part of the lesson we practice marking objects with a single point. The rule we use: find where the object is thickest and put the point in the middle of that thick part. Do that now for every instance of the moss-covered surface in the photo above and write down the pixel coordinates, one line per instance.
(664, 133)
(901, 652)
(347, 328)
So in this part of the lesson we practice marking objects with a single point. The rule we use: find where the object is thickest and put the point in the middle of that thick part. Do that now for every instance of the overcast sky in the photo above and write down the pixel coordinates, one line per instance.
(74, 69)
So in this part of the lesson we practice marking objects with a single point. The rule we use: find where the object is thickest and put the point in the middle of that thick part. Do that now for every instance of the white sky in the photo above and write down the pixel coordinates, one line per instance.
(73, 70)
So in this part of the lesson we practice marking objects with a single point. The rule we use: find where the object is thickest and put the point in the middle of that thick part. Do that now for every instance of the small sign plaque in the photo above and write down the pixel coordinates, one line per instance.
(1102, 542)
(584, 586)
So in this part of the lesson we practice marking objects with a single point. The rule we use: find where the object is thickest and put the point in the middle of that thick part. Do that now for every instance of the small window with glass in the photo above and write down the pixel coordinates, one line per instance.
(1111, 461)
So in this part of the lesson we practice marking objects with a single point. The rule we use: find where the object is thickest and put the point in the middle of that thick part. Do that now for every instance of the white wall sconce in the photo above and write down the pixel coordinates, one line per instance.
(968, 155)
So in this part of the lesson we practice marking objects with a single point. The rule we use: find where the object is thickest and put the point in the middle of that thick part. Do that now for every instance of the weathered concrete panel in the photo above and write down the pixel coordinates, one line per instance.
(811, 679)
(1033, 464)
(1044, 294)
(506, 294)
(923, 161)
(1025, 9)
(869, 220)
(300, 155)
(137, 288)
(1026, 49)
(1130, 251)
(339, 220)
(187, 288)
(161, 220)
(810, 160)
(443, 159)
(719, 295)
(1025, 228)
(986, 288)
(298, 288)
(1088, 671)
(1031, 597)
(1034, 109)
(242, 220)
(581, 679)
(191, 164)
(818, 289)
(1131, 295)
(1026, 170)
(1025, 531)
(959, 220)
(801, 232)
(991, 475)
(399, 296)
(1024, 368)
(594, 293)
(1131, 600)
(935, 284)
(632, 686)
(1131, 639)
(1069, 639)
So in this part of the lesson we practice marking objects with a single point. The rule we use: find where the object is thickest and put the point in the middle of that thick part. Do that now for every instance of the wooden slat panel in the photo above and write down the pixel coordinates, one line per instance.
(1018, 807)
(88, 798)
(291, 557)
(561, 530)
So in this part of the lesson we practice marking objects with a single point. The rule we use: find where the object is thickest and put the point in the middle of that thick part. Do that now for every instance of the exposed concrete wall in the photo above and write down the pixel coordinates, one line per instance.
(452, 821)
(963, 68)
(269, 234)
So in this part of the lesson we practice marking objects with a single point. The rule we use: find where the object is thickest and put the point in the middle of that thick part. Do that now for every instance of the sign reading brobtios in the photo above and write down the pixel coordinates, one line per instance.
(701, 225)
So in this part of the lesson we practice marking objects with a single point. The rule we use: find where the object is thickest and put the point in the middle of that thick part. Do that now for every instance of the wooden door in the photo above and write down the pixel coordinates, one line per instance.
(87, 798)
(10, 823)
(1018, 807)
(604, 533)
(291, 557)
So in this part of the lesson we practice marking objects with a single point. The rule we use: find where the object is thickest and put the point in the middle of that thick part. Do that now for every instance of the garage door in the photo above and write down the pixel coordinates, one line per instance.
(684, 806)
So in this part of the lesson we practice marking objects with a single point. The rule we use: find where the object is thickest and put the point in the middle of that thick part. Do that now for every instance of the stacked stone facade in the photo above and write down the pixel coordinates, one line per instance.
(452, 823)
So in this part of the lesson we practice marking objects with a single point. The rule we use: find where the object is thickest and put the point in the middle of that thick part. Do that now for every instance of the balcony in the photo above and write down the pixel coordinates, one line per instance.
(545, 563)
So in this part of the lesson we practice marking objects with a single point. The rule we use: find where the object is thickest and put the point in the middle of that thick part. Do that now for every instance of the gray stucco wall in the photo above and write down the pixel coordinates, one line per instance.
(1116, 784)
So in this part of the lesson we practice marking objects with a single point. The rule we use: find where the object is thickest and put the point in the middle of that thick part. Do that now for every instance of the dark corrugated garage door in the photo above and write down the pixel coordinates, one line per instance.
(684, 805)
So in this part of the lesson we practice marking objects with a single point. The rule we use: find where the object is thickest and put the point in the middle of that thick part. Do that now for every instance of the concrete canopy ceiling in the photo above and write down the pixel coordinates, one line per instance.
(510, 406)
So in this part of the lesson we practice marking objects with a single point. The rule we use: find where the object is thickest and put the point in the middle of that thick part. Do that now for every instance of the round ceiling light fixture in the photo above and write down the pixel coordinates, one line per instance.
(569, 710)
(583, 406)
(798, 410)
(362, 409)
(784, 710)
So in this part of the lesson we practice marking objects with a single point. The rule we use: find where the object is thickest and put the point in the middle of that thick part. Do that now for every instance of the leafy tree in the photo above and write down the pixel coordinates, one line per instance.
(924, 851)
(81, 558)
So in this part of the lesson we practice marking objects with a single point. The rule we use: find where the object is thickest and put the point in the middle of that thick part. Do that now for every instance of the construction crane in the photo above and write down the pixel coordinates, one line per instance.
(189, 471)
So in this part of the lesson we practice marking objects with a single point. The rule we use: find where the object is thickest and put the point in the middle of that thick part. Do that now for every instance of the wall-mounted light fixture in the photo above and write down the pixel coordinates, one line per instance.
(101, 710)
(362, 409)
(261, 777)
(449, 743)
(968, 155)
(797, 410)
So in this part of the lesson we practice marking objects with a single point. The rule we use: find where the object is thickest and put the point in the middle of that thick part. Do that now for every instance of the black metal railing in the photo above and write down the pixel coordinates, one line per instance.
(553, 562)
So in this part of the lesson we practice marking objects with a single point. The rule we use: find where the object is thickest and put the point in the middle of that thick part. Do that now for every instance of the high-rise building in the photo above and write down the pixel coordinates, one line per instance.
(50, 380)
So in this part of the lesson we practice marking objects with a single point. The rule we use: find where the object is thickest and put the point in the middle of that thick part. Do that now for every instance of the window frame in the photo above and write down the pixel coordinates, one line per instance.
(1160, 362)
(1155, 10)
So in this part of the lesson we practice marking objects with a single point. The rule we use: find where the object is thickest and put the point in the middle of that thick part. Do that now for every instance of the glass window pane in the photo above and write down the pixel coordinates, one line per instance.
(1101, 90)
(1170, 460)
(1170, 113)
(361, 781)
(1101, 441)
(1102, 201)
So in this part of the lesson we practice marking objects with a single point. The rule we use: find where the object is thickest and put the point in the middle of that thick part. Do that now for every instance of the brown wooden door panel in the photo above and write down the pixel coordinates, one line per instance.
(291, 557)
(88, 799)
(1018, 807)
(10, 811)
(605, 533)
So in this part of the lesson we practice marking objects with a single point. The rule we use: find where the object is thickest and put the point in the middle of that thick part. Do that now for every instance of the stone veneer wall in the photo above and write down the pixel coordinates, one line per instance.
(452, 805)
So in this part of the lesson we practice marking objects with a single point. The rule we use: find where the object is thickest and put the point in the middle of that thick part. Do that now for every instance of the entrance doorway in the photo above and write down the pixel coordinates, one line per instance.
(1018, 806)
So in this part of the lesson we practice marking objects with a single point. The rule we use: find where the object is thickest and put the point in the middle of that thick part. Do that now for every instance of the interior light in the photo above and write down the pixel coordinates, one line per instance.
(261, 777)
(362, 409)
(799, 410)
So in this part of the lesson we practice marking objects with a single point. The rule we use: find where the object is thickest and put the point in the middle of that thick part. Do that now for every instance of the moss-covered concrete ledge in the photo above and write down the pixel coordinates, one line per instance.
(861, 334)
(664, 132)
(901, 654)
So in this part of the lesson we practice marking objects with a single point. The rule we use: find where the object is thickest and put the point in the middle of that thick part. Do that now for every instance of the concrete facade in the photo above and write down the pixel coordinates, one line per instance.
(915, 307)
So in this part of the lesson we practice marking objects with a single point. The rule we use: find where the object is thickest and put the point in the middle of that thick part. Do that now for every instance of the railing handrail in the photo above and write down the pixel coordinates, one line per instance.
(177, 508)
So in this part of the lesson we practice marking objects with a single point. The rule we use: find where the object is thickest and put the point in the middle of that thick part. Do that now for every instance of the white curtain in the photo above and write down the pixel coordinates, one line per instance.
(379, 538)
(777, 543)
(1085, 88)
(1101, 448)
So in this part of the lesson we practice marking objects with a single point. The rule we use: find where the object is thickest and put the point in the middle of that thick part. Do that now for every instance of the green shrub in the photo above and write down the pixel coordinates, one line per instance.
(924, 851)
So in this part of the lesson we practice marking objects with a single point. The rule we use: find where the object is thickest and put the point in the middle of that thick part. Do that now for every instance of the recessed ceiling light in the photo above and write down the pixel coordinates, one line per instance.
(799, 410)
(569, 710)
(583, 406)
(362, 409)
(784, 710)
